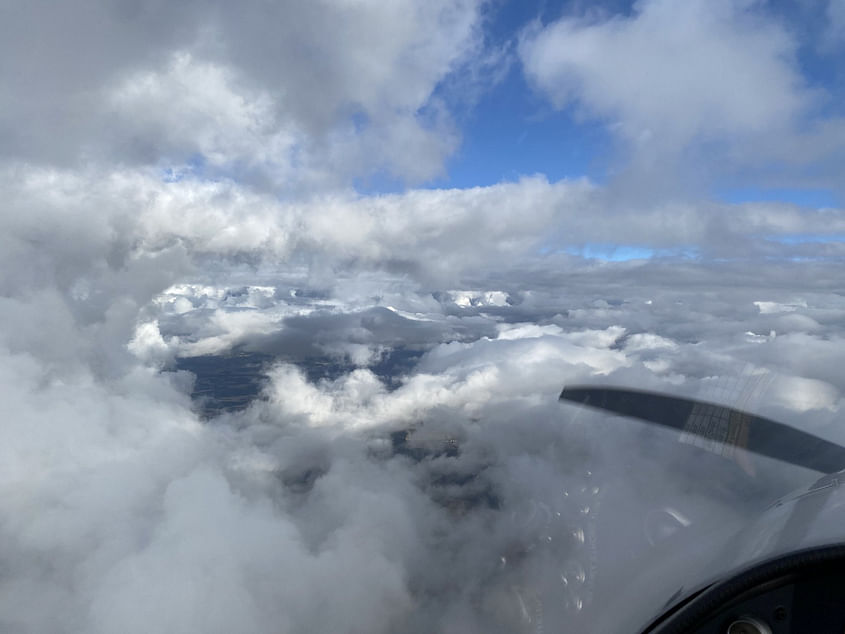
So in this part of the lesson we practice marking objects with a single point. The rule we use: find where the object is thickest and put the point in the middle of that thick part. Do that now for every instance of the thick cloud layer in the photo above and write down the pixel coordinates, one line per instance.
(123, 511)
(177, 184)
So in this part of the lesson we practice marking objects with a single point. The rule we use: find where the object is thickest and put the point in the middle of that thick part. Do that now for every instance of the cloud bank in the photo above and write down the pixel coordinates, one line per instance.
(179, 183)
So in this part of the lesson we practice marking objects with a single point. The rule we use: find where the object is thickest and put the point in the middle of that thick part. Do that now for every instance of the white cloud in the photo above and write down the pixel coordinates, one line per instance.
(122, 511)
(112, 490)
(148, 345)
(694, 90)
(672, 71)
(775, 307)
(305, 94)
(801, 394)
(194, 107)
(647, 341)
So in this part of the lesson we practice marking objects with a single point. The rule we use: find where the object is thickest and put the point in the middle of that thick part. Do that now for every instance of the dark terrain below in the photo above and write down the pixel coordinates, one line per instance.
(230, 382)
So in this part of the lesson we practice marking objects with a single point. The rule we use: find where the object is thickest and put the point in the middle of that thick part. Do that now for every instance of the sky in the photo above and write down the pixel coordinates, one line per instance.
(510, 196)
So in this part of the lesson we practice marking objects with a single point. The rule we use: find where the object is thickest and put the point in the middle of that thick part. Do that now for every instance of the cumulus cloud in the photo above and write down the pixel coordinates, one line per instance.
(176, 186)
(629, 69)
(689, 88)
(299, 93)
